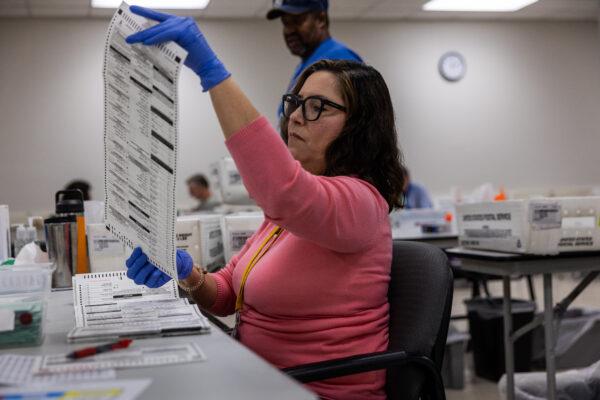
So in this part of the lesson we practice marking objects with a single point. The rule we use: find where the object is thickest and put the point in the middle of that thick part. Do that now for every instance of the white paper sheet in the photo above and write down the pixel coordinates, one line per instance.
(105, 390)
(136, 356)
(140, 139)
(16, 369)
(106, 288)
(7, 320)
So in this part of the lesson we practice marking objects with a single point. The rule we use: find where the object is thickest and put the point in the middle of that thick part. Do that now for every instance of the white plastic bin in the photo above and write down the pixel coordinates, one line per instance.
(23, 295)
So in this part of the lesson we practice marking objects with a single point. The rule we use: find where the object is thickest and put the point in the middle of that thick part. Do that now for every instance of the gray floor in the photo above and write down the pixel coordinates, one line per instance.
(475, 388)
(481, 389)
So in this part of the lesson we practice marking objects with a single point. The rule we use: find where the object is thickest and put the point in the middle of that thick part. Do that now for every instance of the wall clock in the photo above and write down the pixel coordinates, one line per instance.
(452, 66)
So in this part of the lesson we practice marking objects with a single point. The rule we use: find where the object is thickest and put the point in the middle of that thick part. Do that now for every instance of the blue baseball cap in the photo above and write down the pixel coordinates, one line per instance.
(281, 7)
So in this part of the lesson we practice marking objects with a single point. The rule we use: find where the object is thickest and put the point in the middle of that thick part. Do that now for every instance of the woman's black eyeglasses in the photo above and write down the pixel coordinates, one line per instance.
(312, 106)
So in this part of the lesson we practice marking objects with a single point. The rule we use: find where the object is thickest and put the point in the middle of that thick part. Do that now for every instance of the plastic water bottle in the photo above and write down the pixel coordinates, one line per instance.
(31, 234)
(20, 239)
(24, 236)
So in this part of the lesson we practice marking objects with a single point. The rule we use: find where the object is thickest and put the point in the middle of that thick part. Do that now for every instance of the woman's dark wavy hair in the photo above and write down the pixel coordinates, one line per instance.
(367, 147)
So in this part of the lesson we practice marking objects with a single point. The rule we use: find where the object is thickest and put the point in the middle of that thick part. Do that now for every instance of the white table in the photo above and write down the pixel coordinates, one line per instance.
(231, 371)
(508, 265)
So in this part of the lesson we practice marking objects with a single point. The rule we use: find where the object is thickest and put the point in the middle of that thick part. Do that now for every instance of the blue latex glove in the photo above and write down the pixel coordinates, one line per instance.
(143, 272)
(183, 31)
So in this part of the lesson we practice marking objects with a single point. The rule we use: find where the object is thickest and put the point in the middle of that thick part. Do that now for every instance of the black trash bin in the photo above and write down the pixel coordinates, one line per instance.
(486, 327)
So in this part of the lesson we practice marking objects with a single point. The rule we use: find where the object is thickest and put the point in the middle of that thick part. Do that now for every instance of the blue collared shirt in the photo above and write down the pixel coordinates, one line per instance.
(329, 49)
(416, 196)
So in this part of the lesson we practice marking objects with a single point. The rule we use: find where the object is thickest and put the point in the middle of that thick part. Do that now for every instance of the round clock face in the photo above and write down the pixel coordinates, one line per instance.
(452, 66)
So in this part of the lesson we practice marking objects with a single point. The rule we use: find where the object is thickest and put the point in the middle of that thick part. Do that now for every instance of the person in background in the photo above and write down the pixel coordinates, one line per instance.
(415, 195)
(306, 34)
(82, 185)
(311, 283)
(199, 189)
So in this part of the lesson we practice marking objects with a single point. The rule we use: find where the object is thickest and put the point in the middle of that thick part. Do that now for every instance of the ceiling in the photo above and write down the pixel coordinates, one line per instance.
(580, 10)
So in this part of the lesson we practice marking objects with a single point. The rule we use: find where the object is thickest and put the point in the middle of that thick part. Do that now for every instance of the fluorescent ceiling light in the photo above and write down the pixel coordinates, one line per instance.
(477, 5)
(170, 4)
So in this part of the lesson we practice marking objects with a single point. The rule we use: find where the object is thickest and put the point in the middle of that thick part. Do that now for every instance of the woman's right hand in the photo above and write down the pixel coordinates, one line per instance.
(183, 31)
(143, 272)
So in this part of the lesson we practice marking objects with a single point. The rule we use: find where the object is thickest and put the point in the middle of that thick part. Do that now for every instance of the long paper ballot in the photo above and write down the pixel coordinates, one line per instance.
(140, 139)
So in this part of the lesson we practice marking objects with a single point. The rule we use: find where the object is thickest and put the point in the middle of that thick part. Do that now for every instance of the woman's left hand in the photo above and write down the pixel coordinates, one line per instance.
(143, 272)
(183, 31)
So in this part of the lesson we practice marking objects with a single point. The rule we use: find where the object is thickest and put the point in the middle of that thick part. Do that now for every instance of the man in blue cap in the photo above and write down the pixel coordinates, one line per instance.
(306, 33)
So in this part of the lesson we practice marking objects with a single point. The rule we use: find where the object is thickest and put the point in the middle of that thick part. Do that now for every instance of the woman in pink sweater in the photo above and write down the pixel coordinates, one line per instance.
(311, 284)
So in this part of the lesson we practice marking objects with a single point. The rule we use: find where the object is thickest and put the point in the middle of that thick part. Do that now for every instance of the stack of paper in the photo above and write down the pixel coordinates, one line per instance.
(110, 305)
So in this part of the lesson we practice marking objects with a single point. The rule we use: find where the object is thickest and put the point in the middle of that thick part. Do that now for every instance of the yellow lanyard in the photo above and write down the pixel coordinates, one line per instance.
(255, 258)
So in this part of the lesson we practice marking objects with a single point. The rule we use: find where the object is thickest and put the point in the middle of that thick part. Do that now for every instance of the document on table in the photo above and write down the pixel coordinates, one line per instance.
(108, 305)
(16, 369)
(140, 139)
(137, 356)
(106, 390)
(108, 288)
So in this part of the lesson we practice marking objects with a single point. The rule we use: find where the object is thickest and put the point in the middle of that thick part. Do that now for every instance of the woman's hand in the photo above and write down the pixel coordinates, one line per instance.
(183, 31)
(143, 272)
(233, 108)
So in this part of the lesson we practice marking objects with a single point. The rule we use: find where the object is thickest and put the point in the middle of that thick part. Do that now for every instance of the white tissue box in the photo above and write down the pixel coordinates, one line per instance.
(237, 228)
(200, 235)
(536, 226)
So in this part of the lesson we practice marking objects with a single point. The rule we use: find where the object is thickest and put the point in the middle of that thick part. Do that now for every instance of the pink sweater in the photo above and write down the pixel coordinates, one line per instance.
(320, 292)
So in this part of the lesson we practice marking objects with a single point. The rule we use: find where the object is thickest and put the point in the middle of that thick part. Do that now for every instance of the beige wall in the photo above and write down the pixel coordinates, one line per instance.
(526, 113)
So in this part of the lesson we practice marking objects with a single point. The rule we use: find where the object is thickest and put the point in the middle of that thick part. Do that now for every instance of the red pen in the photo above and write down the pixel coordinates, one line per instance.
(90, 351)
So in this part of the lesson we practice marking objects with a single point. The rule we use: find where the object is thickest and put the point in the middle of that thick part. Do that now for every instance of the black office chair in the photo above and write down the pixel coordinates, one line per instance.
(420, 297)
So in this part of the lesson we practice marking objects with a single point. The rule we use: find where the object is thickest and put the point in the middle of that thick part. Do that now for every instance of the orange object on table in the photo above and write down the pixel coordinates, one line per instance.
(82, 266)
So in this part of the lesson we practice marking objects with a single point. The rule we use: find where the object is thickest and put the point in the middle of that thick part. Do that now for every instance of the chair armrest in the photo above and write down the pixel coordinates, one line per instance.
(346, 366)
(368, 362)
